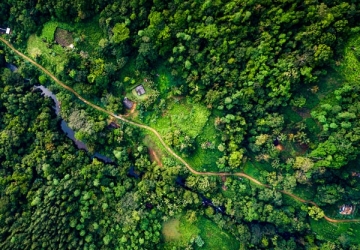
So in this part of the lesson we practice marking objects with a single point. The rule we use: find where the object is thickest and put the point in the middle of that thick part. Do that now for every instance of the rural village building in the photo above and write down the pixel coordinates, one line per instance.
(5, 31)
(140, 90)
(346, 209)
(355, 174)
(127, 103)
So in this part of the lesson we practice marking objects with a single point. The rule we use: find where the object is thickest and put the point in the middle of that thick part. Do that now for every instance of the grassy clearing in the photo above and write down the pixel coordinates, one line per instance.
(150, 140)
(344, 232)
(206, 158)
(54, 56)
(86, 34)
(194, 120)
(183, 231)
(48, 31)
(188, 117)
(165, 80)
(170, 230)
(349, 68)
(254, 168)
(214, 237)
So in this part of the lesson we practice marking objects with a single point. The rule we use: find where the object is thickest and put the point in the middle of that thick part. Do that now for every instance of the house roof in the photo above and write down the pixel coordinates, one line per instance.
(5, 30)
(140, 90)
(127, 103)
(346, 209)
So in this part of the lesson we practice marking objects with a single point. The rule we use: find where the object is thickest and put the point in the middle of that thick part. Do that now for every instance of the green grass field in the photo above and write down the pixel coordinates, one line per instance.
(344, 232)
(195, 121)
(188, 117)
(349, 68)
(205, 159)
(54, 56)
(178, 232)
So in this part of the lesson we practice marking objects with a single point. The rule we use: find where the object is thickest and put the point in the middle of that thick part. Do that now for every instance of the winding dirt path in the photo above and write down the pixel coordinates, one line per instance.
(122, 118)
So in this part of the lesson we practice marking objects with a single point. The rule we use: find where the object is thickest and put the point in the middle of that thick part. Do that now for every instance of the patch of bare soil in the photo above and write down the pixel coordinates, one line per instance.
(301, 149)
(223, 179)
(171, 230)
(279, 147)
(303, 112)
(63, 37)
(154, 157)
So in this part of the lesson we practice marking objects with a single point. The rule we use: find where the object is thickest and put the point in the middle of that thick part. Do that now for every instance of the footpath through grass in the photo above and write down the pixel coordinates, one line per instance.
(194, 120)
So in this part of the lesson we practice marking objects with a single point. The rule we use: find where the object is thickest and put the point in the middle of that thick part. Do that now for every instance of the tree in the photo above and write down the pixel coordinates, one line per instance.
(235, 159)
(329, 194)
(315, 212)
(120, 33)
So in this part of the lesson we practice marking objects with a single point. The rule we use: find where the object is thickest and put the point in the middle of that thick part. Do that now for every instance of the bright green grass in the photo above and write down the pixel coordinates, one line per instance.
(350, 66)
(193, 120)
(214, 237)
(188, 117)
(48, 30)
(170, 230)
(165, 80)
(332, 231)
(201, 160)
(54, 57)
(87, 34)
(253, 170)
(186, 231)
(206, 158)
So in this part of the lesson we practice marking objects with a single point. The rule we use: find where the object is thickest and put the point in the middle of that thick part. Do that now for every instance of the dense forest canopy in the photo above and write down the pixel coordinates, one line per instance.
(268, 89)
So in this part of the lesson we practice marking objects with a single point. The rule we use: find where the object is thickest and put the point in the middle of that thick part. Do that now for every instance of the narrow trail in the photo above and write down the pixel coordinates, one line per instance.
(122, 118)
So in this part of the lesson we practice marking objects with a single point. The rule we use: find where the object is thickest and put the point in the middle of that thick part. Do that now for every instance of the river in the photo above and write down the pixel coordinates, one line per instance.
(65, 127)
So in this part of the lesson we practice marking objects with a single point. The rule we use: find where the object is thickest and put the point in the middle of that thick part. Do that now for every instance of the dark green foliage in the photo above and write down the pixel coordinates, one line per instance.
(273, 78)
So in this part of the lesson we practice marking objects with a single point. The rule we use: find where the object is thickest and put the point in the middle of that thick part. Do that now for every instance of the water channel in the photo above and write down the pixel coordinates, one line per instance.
(65, 127)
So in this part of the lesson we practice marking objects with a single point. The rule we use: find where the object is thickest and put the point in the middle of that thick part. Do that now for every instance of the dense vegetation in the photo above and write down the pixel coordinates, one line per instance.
(269, 89)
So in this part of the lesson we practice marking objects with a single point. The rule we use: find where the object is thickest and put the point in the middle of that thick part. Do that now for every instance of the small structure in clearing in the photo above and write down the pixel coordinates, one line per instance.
(140, 90)
(355, 174)
(113, 125)
(5, 31)
(346, 209)
(127, 103)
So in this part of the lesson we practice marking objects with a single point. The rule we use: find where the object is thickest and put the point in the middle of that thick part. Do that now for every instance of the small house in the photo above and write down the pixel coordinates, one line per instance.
(355, 174)
(127, 103)
(113, 125)
(5, 31)
(140, 90)
(346, 209)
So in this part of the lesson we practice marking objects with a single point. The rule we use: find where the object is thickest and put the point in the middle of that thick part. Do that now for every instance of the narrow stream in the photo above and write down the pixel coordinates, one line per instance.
(65, 127)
